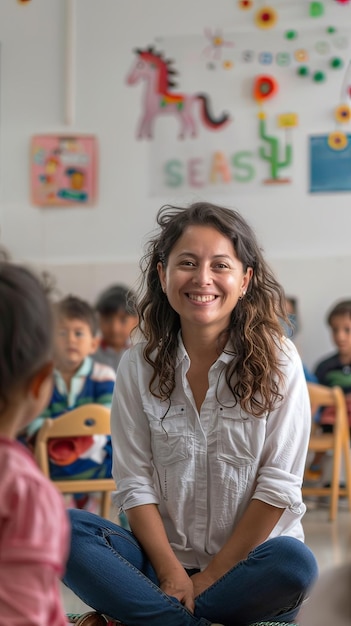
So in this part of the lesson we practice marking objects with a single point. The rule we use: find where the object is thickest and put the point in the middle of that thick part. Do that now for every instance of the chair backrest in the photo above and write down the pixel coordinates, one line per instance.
(86, 420)
(322, 396)
(337, 442)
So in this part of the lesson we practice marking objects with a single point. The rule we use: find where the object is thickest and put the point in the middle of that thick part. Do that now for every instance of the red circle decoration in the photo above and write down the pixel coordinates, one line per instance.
(343, 1)
(245, 5)
(265, 87)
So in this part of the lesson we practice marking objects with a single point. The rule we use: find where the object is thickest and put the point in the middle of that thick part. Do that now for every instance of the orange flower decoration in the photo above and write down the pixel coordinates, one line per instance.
(343, 113)
(266, 18)
(337, 141)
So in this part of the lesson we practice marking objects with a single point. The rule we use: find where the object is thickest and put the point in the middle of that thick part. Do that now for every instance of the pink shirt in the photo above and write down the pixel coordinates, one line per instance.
(34, 540)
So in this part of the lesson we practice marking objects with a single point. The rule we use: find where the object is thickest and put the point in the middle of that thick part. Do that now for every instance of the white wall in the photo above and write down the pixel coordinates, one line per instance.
(305, 237)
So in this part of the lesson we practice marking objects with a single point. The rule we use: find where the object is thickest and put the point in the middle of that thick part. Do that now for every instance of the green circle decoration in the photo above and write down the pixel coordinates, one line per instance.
(336, 63)
(303, 70)
(319, 76)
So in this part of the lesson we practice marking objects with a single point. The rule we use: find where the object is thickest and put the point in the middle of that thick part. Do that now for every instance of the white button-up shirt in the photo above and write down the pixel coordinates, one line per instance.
(202, 469)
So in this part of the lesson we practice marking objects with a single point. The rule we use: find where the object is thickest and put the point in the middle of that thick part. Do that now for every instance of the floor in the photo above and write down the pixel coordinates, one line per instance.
(330, 542)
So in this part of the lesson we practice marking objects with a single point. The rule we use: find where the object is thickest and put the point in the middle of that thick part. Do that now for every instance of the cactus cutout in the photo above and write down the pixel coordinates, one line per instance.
(272, 154)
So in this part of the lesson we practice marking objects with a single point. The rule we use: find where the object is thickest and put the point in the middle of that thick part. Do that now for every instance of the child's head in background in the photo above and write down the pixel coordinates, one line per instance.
(26, 338)
(339, 321)
(76, 333)
(116, 307)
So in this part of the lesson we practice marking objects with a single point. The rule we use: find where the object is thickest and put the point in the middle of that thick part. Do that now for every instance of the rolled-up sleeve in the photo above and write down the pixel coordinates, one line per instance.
(132, 467)
(284, 453)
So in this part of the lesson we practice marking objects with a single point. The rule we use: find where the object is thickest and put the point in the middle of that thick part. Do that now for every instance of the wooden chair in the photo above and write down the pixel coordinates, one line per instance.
(338, 442)
(88, 419)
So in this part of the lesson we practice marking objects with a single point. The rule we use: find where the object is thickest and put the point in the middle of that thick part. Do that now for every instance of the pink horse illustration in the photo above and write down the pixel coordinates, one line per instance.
(158, 73)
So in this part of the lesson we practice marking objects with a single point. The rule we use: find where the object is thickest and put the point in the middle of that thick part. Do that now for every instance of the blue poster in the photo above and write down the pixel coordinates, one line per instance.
(330, 170)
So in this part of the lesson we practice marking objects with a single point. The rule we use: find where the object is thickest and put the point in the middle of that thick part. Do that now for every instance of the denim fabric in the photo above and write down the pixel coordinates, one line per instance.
(110, 572)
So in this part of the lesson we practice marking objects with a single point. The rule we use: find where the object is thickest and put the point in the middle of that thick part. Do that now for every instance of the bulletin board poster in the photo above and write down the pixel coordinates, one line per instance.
(63, 170)
(330, 169)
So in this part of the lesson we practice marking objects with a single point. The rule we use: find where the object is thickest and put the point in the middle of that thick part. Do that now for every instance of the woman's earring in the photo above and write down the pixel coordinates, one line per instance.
(242, 295)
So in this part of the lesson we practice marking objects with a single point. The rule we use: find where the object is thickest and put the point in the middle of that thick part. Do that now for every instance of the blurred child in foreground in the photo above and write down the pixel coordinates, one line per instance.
(117, 314)
(78, 380)
(34, 530)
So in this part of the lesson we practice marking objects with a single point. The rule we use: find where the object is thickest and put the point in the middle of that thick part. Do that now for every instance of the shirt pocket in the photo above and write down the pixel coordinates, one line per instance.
(169, 434)
(240, 437)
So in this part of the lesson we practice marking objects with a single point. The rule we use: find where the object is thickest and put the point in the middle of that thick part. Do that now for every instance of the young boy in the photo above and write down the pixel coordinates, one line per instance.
(117, 318)
(78, 380)
(335, 370)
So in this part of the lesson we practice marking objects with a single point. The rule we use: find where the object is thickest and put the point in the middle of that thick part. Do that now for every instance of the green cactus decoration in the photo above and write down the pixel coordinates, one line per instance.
(273, 156)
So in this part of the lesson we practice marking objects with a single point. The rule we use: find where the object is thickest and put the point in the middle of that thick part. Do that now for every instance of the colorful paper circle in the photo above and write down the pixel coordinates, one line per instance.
(336, 63)
(265, 58)
(266, 18)
(343, 113)
(291, 34)
(245, 5)
(301, 55)
(322, 47)
(303, 70)
(337, 140)
(264, 87)
(319, 77)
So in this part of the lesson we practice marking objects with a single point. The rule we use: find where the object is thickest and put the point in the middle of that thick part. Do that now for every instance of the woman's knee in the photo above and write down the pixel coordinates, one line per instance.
(296, 562)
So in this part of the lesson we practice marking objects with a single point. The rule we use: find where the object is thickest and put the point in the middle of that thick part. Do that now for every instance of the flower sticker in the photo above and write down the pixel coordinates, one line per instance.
(266, 18)
(337, 140)
(343, 113)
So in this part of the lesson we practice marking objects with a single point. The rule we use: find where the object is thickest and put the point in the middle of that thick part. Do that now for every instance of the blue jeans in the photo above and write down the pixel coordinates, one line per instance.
(109, 571)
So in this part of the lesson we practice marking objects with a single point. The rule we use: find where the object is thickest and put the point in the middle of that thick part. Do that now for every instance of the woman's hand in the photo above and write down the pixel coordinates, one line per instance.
(178, 585)
(201, 581)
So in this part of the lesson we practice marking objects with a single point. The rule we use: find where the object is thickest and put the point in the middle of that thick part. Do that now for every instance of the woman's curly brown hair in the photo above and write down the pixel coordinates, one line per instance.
(254, 374)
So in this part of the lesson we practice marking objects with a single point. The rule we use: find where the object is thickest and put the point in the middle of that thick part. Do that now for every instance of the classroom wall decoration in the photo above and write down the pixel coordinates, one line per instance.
(159, 99)
(63, 170)
(250, 88)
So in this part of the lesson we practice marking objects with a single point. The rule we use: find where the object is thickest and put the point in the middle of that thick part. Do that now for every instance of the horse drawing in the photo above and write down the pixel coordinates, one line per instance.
(158, 75)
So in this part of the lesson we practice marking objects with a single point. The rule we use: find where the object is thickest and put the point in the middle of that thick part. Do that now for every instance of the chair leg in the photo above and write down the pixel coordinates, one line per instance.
(106, 504)
(334, 495)
(347, 462)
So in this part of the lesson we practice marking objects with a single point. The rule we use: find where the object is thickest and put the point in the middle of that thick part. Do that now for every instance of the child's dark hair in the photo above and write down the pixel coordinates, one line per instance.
(72, 307)
(341, 308)
(26, 328)
(116, 298)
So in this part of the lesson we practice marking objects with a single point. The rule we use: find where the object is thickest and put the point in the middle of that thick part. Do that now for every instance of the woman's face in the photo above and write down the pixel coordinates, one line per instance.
(204, 278)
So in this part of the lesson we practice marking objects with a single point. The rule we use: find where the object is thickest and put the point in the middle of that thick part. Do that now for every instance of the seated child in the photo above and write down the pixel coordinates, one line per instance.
(335, 369)
(291, 332)
(78, 380)
(34, 530)
(117, 318)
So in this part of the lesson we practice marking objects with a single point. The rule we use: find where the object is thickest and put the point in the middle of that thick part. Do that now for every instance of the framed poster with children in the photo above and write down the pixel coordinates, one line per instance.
(63, 170)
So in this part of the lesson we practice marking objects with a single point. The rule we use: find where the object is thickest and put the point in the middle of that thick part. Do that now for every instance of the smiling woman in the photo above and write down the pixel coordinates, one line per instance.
(210, 422)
